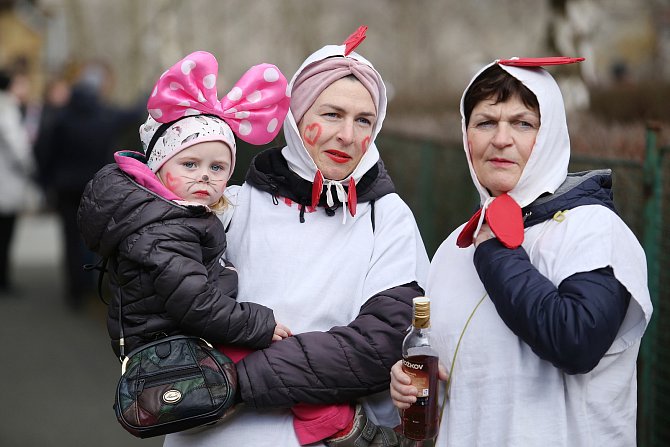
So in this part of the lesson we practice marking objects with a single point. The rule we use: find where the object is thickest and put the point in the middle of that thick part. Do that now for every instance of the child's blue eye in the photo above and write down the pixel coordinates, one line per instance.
(217, 168)
(189, 164)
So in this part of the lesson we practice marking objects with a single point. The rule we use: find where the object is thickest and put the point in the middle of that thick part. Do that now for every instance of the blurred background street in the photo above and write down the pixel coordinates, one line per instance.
(78, 73)
(58, 372)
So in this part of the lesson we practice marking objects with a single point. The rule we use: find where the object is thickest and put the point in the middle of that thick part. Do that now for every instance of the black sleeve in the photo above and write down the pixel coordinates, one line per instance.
(342, 364)
(191, 298)
(571, 326)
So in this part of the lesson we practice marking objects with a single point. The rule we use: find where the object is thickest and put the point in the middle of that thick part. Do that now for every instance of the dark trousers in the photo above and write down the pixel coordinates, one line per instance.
(78, 282)
(7, 224)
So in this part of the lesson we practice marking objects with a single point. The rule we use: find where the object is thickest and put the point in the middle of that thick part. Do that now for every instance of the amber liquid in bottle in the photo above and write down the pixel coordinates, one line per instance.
(420, 361)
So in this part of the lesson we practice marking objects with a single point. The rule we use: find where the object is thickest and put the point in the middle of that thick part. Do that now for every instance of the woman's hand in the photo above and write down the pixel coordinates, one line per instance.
(281, 332)
(403, 393)
(484, 234)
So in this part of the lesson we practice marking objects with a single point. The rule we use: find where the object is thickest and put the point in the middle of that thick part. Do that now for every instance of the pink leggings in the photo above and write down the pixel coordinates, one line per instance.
(312, 423)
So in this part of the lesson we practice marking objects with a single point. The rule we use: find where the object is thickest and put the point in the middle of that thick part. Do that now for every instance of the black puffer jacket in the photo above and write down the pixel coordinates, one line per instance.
(346, 362)
(164, 263)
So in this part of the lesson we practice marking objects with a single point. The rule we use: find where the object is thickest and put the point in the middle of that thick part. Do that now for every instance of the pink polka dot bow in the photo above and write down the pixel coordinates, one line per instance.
(254, 109)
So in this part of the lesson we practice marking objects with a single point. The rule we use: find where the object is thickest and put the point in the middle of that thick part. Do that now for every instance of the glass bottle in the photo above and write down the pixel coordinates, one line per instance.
(420, 362)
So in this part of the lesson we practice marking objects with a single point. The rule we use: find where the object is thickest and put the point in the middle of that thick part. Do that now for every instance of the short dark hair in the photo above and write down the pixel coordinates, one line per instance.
(494, 82)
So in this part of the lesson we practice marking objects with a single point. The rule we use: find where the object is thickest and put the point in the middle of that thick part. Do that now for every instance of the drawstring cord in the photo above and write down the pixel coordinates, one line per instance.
(348, 199)
(341, 196)
(447, 386)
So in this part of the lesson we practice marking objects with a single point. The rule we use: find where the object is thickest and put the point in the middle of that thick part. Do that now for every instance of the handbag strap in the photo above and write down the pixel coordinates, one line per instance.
(101, 266)
(122, 341)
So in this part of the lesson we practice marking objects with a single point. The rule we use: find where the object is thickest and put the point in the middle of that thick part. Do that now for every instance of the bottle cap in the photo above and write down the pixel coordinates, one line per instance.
(421, 312)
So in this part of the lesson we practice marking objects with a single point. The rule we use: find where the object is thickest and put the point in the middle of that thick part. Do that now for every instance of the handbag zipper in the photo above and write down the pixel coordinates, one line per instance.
(166, 377)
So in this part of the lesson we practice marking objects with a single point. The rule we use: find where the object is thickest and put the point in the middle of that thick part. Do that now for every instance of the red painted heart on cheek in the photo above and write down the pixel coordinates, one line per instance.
(312, 133)
(365, 144)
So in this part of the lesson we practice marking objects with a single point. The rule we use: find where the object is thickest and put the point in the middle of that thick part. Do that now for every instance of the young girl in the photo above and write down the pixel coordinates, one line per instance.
(153, 214)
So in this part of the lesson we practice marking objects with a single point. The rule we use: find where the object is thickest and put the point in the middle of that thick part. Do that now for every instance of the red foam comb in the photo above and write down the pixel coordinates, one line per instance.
(505, 220)
(355, 39)
(539, 61)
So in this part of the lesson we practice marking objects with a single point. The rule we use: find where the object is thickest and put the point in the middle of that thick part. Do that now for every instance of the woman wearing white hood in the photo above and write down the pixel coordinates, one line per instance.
(318, 233)
(539, 302)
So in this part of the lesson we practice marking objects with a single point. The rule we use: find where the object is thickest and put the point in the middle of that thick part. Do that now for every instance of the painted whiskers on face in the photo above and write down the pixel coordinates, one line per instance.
(192, 182)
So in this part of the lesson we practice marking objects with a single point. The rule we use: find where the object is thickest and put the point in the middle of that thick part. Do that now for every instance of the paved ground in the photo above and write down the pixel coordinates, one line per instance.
(60, 394)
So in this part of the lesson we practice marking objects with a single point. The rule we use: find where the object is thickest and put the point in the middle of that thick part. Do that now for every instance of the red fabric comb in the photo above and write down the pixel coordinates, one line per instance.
(506, 221)
(503, 216)
(467, 235)
(540, 61)
(355, 39)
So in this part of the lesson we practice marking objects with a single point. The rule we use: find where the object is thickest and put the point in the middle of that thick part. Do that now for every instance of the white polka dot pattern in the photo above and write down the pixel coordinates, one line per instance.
(253, 108)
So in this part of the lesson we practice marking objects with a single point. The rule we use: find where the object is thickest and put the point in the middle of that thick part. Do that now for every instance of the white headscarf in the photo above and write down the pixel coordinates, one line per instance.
(295, 153)
(547, 166)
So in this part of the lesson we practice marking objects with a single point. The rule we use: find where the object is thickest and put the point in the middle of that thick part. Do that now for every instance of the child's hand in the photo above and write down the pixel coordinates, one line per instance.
(281, 332)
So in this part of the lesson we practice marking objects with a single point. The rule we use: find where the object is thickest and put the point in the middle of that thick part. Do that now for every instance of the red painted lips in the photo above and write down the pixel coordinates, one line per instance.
(338, 156)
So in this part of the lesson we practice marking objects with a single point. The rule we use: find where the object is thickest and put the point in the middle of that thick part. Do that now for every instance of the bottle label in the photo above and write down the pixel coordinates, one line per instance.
(419, 375)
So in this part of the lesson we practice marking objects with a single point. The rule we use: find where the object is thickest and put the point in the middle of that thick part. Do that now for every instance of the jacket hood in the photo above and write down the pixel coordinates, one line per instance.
(578, 189)
(547, 166)
(270, 172)
(297, 157)
(114, 206)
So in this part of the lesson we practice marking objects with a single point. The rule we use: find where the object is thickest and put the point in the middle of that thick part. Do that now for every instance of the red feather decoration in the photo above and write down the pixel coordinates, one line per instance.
(352, 198)
(355, 39)
(317, 188)
(539, 61)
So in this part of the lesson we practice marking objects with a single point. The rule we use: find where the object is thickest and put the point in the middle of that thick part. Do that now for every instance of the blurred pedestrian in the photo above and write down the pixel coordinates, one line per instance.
(16, 166)
(56, 97)
(83, 139)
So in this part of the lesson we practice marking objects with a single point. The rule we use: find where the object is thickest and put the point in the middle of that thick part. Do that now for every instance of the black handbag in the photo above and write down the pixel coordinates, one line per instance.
(173, 384)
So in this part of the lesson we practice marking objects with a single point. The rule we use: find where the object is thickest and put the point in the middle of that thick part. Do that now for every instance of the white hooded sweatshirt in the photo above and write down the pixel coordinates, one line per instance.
(502, 393)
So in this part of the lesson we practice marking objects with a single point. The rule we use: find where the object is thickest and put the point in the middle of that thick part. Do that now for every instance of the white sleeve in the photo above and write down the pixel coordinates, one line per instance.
(593, 237)
(399, 256)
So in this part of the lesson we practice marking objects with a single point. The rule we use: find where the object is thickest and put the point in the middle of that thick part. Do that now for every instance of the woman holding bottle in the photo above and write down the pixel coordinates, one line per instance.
(539, 302)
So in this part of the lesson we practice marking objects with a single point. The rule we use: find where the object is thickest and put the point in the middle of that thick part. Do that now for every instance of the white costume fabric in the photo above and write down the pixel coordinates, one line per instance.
(314, 275)
(502, 393)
